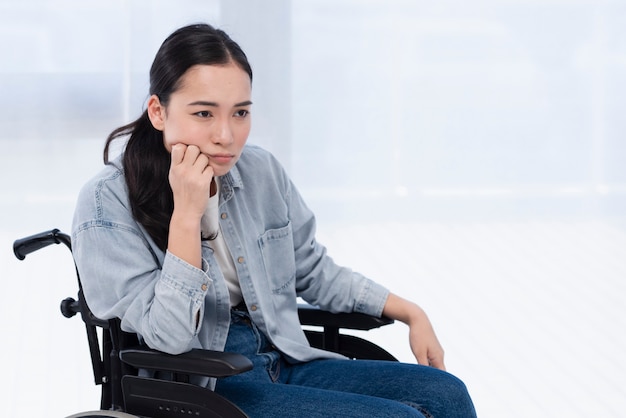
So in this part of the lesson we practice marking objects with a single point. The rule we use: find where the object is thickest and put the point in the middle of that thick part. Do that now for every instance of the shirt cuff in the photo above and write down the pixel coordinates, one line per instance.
(372, 299)
(182, 276)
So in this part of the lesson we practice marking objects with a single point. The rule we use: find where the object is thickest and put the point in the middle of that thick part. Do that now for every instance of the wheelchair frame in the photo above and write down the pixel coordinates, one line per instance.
(117, 359)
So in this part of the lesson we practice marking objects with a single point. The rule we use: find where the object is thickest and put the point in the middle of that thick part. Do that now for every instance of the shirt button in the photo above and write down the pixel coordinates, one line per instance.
(224, 215)
(204, 287)
(253, 308)
(240, 260)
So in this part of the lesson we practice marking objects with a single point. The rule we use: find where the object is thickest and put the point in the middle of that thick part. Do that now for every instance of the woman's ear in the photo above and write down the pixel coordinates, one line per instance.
(156, 112)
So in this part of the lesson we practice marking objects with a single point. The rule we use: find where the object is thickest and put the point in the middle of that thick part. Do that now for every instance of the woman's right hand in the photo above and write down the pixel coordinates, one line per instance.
(190, 177)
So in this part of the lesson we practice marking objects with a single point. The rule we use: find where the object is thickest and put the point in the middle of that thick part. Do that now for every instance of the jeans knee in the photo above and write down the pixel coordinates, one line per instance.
(459, 389)
(456, 397)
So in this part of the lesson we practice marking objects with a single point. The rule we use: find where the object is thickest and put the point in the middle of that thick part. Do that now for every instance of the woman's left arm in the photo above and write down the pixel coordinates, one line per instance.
(424, 342)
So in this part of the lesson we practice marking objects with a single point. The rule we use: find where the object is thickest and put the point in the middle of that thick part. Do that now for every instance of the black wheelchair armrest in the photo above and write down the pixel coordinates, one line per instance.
(310, 315)
(197, 361)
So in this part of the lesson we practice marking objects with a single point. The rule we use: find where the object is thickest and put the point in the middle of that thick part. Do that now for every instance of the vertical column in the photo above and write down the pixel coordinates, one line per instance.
(263, 30)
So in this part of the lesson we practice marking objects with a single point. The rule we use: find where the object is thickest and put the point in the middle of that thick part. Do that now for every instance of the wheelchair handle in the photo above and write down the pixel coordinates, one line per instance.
(24, 246)
(70, 307)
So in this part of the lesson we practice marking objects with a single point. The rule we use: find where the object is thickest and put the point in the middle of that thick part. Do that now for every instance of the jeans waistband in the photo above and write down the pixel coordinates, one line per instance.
(241, 307)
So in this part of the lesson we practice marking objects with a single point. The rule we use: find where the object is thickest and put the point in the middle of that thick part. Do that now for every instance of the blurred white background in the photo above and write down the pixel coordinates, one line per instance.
(468, 155)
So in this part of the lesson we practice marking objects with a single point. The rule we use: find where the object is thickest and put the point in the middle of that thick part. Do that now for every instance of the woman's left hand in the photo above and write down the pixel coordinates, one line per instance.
(424, 343)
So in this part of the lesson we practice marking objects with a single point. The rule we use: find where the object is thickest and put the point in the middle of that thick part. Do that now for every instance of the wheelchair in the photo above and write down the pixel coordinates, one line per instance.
(117, 356)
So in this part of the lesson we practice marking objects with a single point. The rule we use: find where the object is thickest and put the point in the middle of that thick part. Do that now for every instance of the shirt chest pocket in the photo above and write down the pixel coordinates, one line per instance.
(278, 257)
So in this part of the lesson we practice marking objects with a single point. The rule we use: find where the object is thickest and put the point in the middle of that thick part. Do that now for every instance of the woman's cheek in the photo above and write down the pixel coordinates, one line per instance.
(168, 142)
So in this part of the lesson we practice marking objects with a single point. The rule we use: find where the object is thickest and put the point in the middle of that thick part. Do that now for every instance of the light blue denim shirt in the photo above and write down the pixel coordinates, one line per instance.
(270, 233)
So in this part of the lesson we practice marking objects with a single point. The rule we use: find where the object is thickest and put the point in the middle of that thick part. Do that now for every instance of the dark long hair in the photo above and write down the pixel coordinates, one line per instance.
(145, 159)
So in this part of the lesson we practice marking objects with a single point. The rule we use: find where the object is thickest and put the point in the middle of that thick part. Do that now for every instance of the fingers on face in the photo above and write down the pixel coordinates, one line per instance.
(178, 153)
(189, 154)
(203, 162)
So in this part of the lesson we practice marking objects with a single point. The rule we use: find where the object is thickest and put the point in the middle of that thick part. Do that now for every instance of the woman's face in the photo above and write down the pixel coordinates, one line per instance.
(211, 110)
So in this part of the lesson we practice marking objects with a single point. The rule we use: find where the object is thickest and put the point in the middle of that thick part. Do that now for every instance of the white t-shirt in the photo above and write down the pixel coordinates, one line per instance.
(210, 226)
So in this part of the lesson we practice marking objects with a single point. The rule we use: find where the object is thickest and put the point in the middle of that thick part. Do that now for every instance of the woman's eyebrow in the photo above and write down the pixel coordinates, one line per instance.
(214, 104)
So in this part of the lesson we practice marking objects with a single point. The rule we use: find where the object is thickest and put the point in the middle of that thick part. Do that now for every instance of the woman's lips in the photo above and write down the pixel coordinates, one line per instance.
(221, 158)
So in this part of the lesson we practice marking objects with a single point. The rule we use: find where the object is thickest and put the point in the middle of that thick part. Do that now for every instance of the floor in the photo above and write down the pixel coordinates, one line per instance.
(531, 314)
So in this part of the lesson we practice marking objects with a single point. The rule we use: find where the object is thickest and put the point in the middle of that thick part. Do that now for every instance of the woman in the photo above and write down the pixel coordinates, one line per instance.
(196, 240)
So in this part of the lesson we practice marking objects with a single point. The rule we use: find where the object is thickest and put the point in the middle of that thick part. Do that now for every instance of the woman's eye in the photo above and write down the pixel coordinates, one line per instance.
(242, 113)
(203, 114)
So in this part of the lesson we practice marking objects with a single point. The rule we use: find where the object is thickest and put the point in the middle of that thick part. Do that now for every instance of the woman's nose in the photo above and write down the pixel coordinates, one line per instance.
(222, 134)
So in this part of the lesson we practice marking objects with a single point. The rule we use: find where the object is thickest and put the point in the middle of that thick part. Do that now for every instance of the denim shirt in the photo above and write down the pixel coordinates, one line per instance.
(270, 233)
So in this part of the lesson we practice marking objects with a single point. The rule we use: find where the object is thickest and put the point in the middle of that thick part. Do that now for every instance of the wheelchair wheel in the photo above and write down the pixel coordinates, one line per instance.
(101, 414)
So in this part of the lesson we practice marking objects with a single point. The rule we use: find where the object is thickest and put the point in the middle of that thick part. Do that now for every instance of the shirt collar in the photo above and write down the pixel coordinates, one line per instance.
(229, 182)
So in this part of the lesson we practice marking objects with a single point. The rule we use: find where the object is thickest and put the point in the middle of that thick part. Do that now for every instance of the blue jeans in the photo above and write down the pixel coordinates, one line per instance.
(336, 388)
